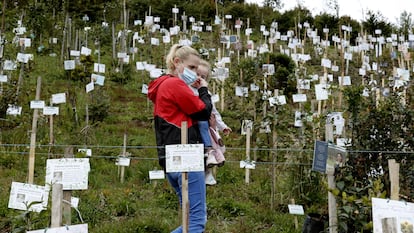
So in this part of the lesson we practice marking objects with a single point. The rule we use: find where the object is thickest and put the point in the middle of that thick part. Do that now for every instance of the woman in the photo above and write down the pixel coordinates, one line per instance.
(174, 102)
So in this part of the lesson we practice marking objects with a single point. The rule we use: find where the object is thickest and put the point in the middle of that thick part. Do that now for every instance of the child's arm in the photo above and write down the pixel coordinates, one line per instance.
(218, 122)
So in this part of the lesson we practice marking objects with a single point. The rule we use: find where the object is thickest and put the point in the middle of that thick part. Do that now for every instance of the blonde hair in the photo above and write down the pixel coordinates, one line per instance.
(182, 52)
(207, 65)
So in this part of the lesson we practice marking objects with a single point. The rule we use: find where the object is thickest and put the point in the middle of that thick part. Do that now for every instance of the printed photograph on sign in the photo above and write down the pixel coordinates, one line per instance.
(28, 197)
(184, 157)
(336, 158)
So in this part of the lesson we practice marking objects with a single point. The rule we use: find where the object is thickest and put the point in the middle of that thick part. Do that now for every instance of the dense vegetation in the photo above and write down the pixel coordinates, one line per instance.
(378, 125)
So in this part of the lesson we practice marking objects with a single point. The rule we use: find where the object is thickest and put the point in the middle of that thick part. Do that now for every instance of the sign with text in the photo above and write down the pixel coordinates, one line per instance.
(184, 158)
(80, 228)
(28, 197)
(72, 173)
(296, 209)
(320, 156)
(392, 216)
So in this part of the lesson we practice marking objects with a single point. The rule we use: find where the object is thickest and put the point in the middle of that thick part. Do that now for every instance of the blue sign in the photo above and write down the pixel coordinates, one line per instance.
(320, 156)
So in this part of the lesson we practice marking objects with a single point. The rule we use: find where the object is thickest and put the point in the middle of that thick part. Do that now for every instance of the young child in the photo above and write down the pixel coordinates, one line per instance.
(208, 130)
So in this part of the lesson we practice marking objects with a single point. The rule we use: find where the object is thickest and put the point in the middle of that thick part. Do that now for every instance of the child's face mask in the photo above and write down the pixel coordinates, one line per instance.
(188, 76)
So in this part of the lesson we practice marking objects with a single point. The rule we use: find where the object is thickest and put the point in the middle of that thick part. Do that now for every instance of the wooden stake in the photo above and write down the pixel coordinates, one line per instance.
(123, 155)
(57, 197)
(67, 194)
(248, 132)
(394, 169)
(184, 180)
(333, 217)
(292, 201)
(33, 135)
(332, 211)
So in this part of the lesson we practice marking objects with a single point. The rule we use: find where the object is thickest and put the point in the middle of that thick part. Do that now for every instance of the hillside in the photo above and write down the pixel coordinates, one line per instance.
(300, 82)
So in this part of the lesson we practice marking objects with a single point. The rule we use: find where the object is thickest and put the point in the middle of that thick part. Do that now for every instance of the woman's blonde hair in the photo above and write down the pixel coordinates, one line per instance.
(182, 52)
(208, 66)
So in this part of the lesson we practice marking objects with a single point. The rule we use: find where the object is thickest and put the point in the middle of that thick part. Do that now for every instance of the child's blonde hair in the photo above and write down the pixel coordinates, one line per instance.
(208, 66)
(182, 52)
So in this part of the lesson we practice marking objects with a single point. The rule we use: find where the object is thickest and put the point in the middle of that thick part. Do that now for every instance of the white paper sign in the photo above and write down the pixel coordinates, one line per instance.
(391, 214)
(98, 79)
(248, 164)
(9, 65)
(155, 73)
(22, 195)
(69, 64)
(72, 173)
(89, 87)
(157, 175)
(3, 78)
(99, 68)
(123, 162)
(37, 104)
(321, 92)
(296, 209)
(242, 91)
(50, 110)
(14, 110)
(144, 89)
(215, 98)
(75, 53)
(74, 201)
(85, 51)
(81, 228)
(59, 98)
(298, 98)
(184, 157)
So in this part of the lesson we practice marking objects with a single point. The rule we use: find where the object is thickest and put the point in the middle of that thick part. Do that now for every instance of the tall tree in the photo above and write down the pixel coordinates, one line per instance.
(377, 21)
(406, 23)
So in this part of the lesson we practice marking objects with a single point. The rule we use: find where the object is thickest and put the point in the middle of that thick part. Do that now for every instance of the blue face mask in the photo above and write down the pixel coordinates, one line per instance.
(188, 76)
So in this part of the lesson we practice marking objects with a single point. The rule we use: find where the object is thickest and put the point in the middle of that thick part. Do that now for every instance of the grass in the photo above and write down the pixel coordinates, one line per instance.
(138, 204)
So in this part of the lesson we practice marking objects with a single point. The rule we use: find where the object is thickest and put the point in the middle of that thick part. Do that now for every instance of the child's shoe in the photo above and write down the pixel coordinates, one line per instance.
(211, 159)
(210, 178)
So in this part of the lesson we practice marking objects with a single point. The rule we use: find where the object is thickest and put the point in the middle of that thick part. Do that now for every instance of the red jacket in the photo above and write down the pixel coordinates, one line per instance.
(174, 102)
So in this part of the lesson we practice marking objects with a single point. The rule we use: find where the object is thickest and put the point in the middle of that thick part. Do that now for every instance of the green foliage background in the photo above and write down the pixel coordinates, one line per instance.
(379, 127)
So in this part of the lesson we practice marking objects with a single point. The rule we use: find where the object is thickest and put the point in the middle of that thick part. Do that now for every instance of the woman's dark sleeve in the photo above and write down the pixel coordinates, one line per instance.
(204, 96)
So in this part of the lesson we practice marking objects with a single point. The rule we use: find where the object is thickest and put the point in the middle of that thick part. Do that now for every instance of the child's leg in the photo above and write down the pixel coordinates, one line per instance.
(204, 131)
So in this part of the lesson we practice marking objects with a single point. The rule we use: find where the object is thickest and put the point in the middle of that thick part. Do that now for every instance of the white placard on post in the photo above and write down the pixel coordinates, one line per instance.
(74, 53)
(296, 209)
(99, 68)
(22, 195)
(86, 51)
(81, 228)
(98, 79)
(123, 162)
(37, 104)
(321, 92)
(184, 158)
(3, 78)
(14, 110)
(72, 173)
(90, 87)
(69, 64)
(144, 89)
(157, 175)
(248, 164)
(59, 98)
(297, 98)
(50, 110)
(392, 214)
